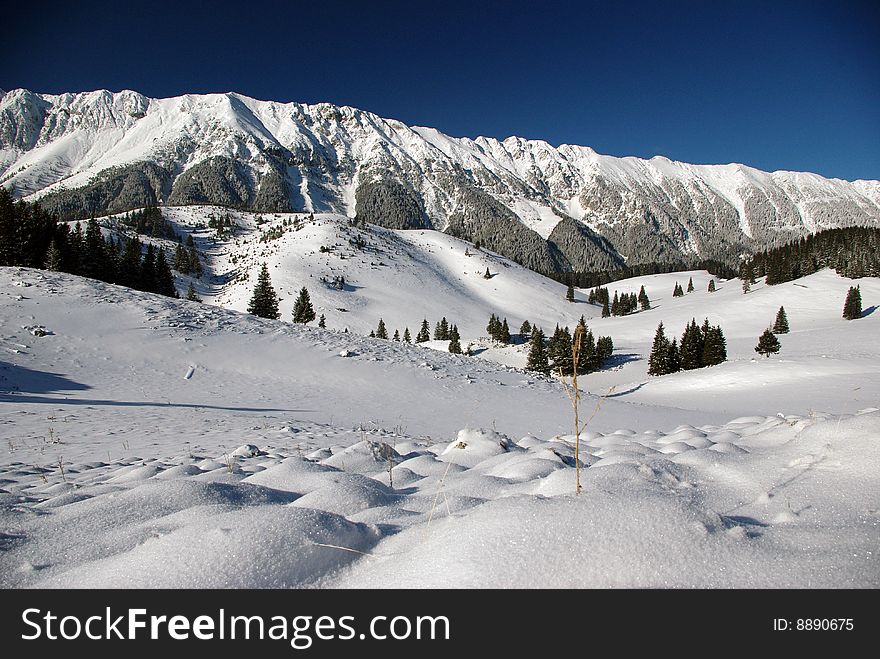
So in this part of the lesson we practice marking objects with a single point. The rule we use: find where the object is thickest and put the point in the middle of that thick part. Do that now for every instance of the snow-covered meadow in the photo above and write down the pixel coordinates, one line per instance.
(153, 442)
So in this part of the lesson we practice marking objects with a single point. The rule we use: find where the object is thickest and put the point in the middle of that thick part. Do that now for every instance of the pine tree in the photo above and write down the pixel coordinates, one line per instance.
(53, 257)
(438, 331)
(690, 285)
(396, 336)
(191, 294)
(303, 311)
(148, 270)
(164, 278)
(537, 359)
(674, 357)
(711, 285)
(643, 299)
(569, 293)
(407, 338)
(747, 285)
(504, 332)
(424, 332)
(444, 329)
(678, 291)
(525, 330)
(559, 352)
(658, 360)
(381, 332)
(768, 344)
(264, 302)
(181, 260)
(93, 257)
(615, 305)
(852, 307)
(493, 327)
(488, 274)
(604, 349)
(129, 264)
(322, 322)
(780, 325)
(714, 347)
(606, 312)
(454, 341)
(691, 350)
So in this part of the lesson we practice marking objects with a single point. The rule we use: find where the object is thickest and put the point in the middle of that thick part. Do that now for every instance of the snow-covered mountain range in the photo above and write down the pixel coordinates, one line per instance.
(545, 207)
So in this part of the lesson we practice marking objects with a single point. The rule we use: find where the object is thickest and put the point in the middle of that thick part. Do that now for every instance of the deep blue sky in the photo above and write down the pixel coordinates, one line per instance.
(773, 84)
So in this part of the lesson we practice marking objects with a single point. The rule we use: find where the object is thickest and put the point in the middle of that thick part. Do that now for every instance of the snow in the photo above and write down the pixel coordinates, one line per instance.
(277, 463)
(89, 133)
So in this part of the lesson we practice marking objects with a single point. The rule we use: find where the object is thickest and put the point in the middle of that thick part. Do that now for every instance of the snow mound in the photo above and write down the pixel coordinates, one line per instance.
(471, 447)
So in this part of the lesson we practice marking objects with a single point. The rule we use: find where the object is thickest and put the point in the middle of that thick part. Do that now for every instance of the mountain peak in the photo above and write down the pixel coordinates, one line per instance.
(548, 207)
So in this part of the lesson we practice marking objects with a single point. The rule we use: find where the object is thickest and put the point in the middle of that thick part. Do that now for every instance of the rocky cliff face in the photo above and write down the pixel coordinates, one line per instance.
(548, 208)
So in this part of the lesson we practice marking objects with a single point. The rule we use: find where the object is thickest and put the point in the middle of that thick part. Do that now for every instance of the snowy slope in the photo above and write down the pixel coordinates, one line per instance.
(405, 276)
(155, 442)
(330, 159)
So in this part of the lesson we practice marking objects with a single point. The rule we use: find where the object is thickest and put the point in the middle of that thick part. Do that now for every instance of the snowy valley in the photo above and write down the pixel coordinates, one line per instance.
(149, 441)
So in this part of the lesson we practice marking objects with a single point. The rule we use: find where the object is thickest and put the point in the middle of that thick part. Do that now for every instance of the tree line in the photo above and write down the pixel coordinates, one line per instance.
(33, 238)
(852, 252)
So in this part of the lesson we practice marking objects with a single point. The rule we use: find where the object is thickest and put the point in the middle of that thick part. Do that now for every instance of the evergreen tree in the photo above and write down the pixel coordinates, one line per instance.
(93, 257)
(643, 299)
(569, 293)
(615, 305)
(53, 257)
(438, 331)
(493, 327)
(303, 311)
(537, 359)
(181, 260)
(714, 347)
(711, 285)
(691, 350)
(678, 291)
(164, 278)
(76, 244)
(658, 360)
(674, 357)
(444, 329)
(264, 302)
(129, 263)
(606, 312)
(191, 294)
(322, 322)
(407, 338)
(504, 332)
(423, 334)
(747, 285)
(780, 325)
(604, 349)
(525, 330)
(396, 336)
(148, 270)
(690, 285)
(454, 341)
(852, 307)
(488, 274)
(768, 344)
(381, 332)
(559, 352)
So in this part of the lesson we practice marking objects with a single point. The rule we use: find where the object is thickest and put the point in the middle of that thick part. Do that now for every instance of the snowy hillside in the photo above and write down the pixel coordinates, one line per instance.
(548, 208)
(156, 442)
(405, 276)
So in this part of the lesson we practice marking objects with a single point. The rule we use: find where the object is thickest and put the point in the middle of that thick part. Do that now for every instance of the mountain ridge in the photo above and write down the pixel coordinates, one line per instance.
(549, 208)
